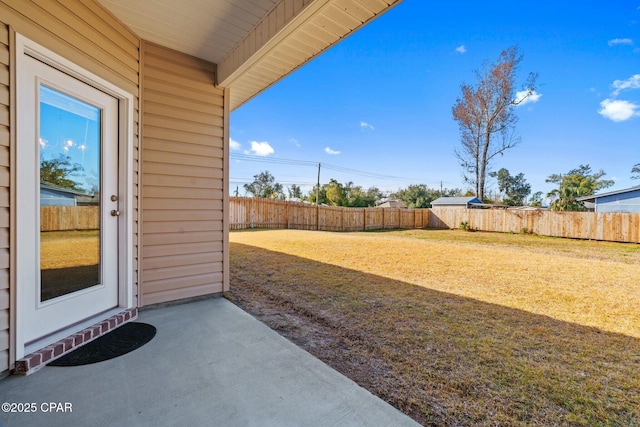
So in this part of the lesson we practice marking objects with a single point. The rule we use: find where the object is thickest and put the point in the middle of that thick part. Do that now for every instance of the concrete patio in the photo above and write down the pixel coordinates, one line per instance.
(209, 364)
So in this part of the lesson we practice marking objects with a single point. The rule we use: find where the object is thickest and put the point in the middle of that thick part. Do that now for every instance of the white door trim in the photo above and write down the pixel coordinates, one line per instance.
(126, 299)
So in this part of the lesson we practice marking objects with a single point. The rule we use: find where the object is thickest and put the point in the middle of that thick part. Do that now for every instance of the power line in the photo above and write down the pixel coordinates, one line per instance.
(274, 160)
(250, 180)
(336, 168)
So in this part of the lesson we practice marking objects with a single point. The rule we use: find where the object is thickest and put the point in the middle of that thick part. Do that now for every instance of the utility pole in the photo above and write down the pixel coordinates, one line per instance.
(318, 187)
(236, 191)
(318, 200)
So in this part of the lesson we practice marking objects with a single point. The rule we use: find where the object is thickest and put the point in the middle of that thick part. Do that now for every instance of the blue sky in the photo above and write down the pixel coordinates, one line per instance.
(380, 101)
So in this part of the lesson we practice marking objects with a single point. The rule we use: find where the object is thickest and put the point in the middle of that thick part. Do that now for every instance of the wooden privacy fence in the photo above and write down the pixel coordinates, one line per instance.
(64, 218)
(247, 212)
(616, 227)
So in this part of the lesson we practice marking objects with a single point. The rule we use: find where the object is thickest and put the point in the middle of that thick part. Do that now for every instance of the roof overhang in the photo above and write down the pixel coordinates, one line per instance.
(592, 198)
(254, 43)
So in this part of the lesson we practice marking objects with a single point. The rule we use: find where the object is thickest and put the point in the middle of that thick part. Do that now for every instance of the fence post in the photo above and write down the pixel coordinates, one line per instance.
(364, 219)
(612, 227)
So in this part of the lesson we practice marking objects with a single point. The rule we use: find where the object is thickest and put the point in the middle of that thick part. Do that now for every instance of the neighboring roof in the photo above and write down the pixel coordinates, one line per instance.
(59, 189)
(456, 201)
(593, 197)
(254, 43)
(391, 203)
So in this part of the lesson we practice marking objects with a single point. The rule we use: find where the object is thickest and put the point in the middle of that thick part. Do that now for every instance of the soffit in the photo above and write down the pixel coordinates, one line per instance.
(207, 29)
(315, 29)
(254, 43)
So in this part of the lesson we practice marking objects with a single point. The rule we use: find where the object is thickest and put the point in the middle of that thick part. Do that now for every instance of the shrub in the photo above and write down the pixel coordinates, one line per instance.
(464, 225)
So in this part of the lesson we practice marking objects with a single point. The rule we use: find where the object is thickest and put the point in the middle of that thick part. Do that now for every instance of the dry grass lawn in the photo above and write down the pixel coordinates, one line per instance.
(62, 249)
(457, 328)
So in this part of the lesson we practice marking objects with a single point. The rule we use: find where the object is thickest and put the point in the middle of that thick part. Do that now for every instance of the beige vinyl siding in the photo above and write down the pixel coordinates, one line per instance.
(4, 202)
(83, 32)
(182, 177)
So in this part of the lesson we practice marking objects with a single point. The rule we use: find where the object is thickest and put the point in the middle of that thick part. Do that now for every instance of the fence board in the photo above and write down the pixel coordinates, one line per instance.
(615, 227)
(267, 213)
(63, 218)
(302, 216)
(246, 212)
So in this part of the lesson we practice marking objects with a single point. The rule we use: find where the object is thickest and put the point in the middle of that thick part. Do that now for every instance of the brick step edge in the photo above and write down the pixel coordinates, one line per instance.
(36, 360)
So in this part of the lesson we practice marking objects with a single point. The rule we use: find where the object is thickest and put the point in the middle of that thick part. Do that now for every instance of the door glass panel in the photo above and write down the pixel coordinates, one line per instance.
(70, 180)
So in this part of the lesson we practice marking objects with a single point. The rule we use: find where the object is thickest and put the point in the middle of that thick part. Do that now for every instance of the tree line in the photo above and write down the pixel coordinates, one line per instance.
(514, 190)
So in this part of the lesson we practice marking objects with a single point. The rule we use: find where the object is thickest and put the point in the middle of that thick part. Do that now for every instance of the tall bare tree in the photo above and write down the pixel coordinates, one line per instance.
(486, 116)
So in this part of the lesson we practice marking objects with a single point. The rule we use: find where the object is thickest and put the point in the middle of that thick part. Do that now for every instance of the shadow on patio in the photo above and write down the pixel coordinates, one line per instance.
(209, 364)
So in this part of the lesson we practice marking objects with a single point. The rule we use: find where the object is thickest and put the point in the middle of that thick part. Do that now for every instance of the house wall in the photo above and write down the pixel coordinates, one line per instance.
(182, 187)
(4, 202)
(50, 197)
(82, 32)
(445, 206)
(625, 202)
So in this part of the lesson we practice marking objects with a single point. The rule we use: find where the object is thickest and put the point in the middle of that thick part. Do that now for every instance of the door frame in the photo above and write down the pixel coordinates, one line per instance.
(126, 298)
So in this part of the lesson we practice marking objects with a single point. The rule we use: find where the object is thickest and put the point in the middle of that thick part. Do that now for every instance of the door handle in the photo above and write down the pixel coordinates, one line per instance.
(115, 213)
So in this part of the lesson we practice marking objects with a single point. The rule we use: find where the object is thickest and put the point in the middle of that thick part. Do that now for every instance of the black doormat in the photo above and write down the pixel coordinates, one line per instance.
(120, 341)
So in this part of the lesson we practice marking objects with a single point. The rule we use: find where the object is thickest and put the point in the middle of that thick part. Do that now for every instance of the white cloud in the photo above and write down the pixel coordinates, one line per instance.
(294, 142)
(618, 110)
(261, 148)
(330, 151)
(632, 82)
(525, 97)
(365, 125)
(625, 41)
(461, 49)
(234, 145)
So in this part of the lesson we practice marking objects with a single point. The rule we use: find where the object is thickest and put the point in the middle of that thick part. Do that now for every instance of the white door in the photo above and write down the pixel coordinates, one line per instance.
(67, 201)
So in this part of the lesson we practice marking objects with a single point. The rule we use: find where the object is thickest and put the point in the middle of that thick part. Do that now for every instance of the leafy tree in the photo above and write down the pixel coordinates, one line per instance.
(515, 188)
(421, 196)
(357, 197)
(265, 185)
(576, 183)
(336, 193)
(486, 116)
(636, 170)
(317, 195)
(371, 197)
(58, 171)
(295, 192)
(536, 199)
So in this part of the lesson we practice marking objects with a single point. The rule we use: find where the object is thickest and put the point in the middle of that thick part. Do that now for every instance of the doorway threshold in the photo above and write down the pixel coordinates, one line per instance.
(36, 360)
